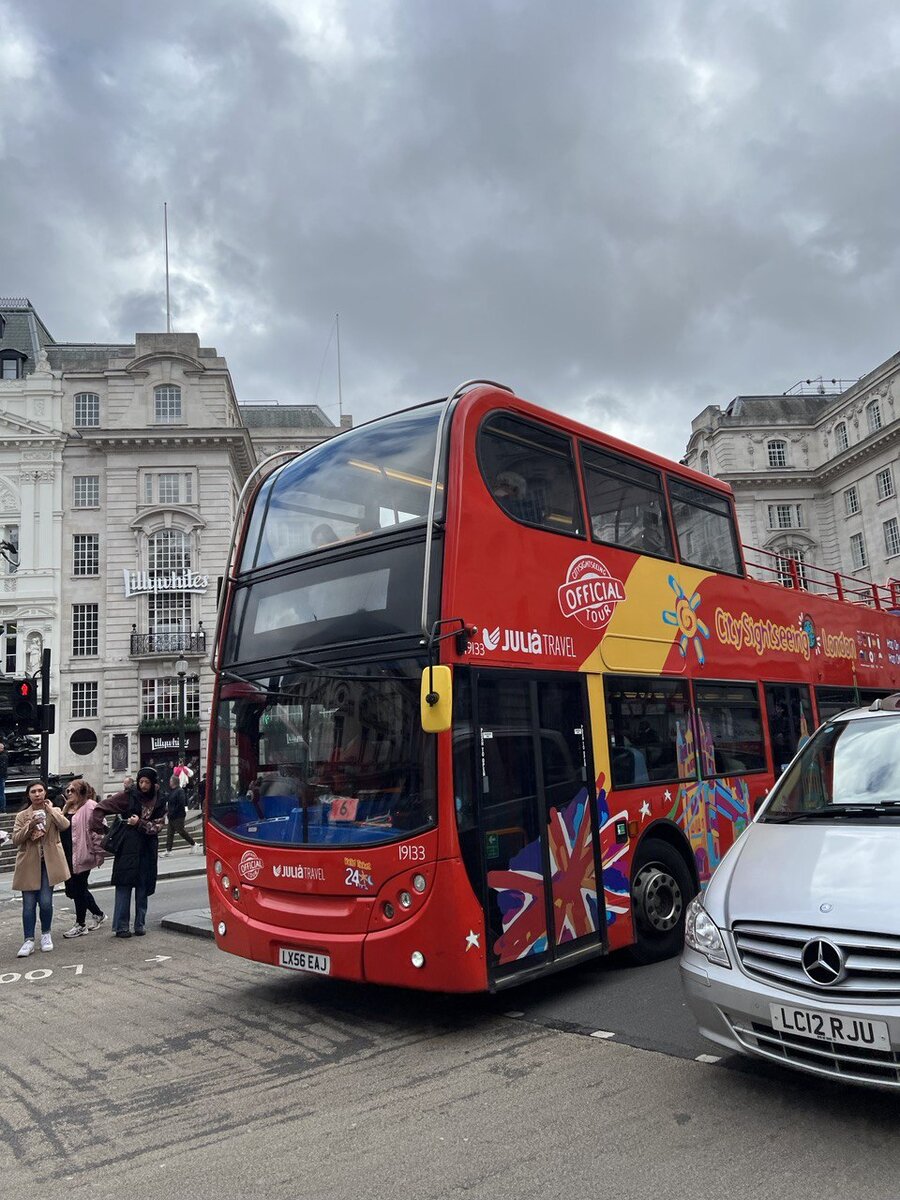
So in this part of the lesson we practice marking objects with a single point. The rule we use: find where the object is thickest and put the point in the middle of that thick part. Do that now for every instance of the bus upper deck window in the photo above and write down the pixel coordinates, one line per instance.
(529, 471)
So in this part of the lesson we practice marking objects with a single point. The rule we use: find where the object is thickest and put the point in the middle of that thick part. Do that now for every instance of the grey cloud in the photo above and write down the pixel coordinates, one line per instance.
(617, 209)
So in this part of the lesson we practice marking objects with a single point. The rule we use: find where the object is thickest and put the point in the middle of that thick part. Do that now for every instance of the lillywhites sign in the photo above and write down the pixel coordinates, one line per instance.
(138, 583)
(163, 743)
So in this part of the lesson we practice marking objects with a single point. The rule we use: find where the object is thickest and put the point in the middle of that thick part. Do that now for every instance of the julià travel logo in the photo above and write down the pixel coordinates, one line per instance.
(590, 593)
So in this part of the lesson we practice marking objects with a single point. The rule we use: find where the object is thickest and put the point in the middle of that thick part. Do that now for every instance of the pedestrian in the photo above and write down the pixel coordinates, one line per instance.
(40, 862)
(4, 771)
(84, 851)
(176, 811)
(142, 814)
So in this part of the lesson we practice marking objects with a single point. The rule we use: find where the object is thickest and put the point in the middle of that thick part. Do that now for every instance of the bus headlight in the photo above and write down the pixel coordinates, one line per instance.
(226, 882)
(388, 909)
(417, 958)
(418, 882)
(405, 900)
(221, 928)
(218, 867)
(702, 934)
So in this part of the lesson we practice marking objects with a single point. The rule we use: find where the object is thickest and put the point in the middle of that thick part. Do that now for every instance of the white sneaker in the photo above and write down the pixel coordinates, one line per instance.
(27, 948)
(75, 931)
(165, 854)
(96, 921)
(196, 848)
(46, 942)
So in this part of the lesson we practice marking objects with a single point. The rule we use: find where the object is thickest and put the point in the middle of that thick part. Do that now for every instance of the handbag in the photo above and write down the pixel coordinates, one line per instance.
(113, 839)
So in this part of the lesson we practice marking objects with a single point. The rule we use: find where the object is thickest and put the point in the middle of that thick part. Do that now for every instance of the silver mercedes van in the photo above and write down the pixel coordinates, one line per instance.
(793, 952)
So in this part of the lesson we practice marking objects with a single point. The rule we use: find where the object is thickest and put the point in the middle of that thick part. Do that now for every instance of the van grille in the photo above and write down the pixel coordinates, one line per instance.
(771, 952)
(849, 1063)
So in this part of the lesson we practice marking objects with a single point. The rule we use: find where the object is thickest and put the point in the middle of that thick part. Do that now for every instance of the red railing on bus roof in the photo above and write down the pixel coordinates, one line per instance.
(784, 571)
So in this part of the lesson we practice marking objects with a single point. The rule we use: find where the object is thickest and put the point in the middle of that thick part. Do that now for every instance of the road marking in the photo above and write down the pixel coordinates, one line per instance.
(603, 1033)
(708, 1058)
(159, 958)
(76, 967)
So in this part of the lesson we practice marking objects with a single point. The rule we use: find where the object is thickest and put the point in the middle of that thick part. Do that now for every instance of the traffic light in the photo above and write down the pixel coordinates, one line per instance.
(25, 704)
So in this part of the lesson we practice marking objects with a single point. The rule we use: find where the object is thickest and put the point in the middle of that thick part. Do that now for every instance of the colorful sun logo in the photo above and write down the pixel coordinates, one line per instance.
(685, 617)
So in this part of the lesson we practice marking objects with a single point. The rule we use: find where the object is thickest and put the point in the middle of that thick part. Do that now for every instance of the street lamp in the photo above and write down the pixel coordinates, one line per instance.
(181, 670)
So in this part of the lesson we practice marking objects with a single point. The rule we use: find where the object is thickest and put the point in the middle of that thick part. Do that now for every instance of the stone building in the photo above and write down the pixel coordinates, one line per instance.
(815, 476)
(120, 471)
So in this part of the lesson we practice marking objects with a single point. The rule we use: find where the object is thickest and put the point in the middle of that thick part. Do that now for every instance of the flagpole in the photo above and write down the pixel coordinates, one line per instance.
(166, 228)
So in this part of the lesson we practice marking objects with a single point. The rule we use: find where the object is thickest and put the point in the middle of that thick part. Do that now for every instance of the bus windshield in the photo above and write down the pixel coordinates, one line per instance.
(369, 479)
(324, 759)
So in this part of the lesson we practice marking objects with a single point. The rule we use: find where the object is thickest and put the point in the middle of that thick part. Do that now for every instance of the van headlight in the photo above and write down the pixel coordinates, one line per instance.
(702, 934)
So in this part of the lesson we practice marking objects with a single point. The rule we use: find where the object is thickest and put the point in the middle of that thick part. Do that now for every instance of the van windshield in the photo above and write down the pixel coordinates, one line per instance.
(847, 764)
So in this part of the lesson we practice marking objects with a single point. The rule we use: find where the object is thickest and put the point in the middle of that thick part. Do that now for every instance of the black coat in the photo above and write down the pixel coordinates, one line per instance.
(176, 807)
(4, 763)
(136, 858)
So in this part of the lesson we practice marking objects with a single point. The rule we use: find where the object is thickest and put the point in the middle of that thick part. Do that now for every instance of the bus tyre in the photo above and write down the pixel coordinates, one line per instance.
(661, 887)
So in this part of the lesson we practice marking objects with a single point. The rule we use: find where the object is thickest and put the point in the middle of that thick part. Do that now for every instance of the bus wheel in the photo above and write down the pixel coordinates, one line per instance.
(661, 887)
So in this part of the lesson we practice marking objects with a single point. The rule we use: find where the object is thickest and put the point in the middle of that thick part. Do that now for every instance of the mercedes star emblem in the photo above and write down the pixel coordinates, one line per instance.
(823, 962)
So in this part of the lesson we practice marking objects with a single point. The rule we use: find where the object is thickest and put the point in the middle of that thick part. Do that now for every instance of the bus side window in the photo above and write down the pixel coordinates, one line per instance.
(529, 471)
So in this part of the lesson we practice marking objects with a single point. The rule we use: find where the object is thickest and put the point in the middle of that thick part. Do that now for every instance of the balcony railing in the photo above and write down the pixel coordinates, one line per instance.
(781, 569)
(180, 642)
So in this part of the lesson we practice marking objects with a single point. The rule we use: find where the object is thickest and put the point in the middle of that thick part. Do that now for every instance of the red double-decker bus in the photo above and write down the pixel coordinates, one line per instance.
(495, 692)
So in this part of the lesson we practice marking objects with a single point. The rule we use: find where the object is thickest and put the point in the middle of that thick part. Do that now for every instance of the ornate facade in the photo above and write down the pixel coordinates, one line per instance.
(120, 471)
(815, 475)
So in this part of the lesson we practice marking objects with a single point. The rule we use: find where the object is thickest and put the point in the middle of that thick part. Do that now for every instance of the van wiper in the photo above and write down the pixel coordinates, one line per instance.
(834, 812)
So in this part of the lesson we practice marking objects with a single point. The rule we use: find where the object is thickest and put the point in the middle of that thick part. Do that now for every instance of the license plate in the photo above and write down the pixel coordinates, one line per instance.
(831, 1027)
(304, 960)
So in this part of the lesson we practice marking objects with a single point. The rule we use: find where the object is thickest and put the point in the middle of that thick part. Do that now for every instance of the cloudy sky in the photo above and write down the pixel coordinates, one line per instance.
(625, 210)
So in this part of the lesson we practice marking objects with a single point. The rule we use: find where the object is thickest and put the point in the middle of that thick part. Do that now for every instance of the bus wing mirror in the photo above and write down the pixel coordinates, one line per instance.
(437, 699)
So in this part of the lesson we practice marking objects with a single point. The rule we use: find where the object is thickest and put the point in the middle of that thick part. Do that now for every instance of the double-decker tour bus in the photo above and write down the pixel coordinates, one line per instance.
(495, 692)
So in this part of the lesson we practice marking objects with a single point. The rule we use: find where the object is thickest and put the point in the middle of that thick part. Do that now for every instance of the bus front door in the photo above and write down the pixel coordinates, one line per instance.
(537, 821)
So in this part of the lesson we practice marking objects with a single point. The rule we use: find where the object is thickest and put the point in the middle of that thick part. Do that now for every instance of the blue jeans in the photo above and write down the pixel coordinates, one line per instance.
(122, 908)
(30, 902)
(3, 794)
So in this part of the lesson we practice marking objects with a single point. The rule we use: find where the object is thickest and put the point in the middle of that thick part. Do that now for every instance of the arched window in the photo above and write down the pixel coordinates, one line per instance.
(168, 550)
(704, 461)
(167, 404)
(87, 410)
(777, 452)
(785, 576)
(873, 416)
(842, 441)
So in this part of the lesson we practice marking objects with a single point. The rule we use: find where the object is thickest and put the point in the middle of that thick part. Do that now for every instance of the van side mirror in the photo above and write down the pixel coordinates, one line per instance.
(437, 699)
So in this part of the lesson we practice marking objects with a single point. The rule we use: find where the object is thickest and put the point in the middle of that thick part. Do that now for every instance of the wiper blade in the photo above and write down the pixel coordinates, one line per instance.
(835, 812)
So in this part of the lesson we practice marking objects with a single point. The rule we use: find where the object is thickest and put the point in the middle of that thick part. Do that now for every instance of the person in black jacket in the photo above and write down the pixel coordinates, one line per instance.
(143, 814)
(176, 811)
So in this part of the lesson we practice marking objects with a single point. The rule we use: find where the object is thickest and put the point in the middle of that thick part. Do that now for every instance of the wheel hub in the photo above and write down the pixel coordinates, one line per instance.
(658, 902)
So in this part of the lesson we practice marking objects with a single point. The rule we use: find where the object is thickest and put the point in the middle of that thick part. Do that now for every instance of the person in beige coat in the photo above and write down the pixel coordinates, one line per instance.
(40, 863)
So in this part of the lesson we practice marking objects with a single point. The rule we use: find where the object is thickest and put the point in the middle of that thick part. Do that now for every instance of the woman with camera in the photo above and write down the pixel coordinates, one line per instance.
(40, 863)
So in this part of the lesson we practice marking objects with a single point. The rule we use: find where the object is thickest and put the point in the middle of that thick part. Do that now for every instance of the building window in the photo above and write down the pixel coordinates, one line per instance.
(785, 516)
(159, 699)
(840, 436)
(8, 639)
(892, 537)
(857, 551)
(169, 615)
(148, 489)
(169, 490)
(785, 578)
(873, 416)
(86, 554)
(851, 501)
(11, 367)
(87, 491)
(87, 410)
(167, 404)
(704, 462)
(85, 625)
(885, 483)
(777, 452)
(84, 699)
(168, 550)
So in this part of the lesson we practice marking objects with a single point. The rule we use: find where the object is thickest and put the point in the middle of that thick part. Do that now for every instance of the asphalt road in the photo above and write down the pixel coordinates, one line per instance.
(160, 1067)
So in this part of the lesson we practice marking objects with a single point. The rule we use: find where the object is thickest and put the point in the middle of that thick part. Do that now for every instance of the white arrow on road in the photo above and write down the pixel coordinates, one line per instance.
(159, 958)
